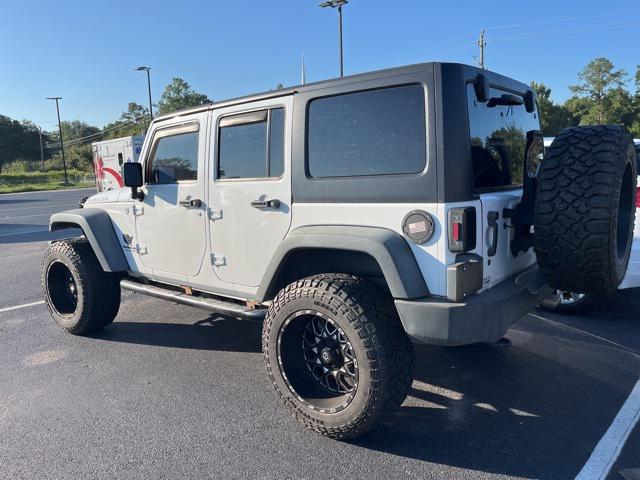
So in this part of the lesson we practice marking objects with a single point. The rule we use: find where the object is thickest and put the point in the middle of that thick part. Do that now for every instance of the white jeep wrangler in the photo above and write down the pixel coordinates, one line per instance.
(353, 217)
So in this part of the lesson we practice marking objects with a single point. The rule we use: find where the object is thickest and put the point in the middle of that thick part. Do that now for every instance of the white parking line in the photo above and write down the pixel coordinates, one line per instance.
(24, 305)
(588, 334)
(610, 446)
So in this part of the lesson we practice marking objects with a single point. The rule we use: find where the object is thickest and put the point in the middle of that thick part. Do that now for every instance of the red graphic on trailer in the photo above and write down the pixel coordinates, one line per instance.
(100, 174)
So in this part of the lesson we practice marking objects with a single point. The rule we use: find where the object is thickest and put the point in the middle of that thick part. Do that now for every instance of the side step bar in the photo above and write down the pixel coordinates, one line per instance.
(219, 306)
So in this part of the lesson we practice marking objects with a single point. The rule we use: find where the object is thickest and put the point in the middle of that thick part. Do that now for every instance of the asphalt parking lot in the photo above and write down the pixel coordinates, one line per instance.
(173, 392)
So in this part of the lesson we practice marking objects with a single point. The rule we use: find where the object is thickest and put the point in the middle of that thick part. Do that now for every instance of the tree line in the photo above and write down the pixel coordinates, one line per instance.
(20, 140)
(599, 96)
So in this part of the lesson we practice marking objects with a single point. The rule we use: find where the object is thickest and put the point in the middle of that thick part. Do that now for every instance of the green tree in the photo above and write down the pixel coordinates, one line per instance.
(179, 95)
(132, 121)
(77, 136)
(595, 82)
(553, 117)
(19, 141)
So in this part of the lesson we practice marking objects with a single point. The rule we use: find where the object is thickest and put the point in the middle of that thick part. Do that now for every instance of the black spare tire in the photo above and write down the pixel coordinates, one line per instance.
(585, 209)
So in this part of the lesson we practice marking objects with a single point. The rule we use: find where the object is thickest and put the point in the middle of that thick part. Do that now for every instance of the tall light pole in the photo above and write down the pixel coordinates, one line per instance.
(64, 161)
(146, 69)
(337, 4)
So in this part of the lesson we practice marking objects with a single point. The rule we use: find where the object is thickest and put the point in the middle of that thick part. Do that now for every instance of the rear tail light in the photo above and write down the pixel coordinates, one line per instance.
(462, 229)
(638, 197)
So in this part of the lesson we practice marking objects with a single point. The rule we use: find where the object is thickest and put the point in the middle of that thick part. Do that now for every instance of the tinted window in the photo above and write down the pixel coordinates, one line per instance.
(242, 151)
(276, 148)
(498, 140)
(175, 158)
(246, 151)
(377, 132)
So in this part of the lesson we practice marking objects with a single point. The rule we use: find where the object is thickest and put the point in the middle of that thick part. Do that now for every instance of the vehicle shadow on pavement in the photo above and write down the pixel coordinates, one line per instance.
(213, 333)
(535, 409)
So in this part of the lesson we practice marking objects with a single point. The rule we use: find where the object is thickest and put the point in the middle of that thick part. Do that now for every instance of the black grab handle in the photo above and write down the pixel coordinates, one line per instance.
(492, 220)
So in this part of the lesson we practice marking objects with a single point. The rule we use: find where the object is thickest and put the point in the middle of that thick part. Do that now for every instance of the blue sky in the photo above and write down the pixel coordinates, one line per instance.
(85, 51)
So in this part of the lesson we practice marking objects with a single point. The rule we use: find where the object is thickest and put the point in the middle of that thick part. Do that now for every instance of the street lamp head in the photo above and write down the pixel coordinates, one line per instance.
(143, 69)
(54, 98)
(333, 3)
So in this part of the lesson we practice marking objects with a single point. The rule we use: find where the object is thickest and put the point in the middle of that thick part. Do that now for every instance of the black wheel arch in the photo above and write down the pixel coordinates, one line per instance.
(378, 254)
(99, 231)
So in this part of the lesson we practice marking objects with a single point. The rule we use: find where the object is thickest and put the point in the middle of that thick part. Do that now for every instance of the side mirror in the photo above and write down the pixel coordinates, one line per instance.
(132, 172)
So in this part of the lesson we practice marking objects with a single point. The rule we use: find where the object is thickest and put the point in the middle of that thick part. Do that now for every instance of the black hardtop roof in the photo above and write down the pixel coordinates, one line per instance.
(359, 77)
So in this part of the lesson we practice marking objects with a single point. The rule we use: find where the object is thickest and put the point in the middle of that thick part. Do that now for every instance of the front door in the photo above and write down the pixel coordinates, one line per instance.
(171, 220)
(250, 196)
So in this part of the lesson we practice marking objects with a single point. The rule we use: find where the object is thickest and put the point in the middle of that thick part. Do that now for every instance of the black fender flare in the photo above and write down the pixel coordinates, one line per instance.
(97, 227)
(388, 248)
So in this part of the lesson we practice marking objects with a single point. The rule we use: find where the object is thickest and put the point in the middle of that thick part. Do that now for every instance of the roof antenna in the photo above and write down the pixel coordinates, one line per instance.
(304, 77)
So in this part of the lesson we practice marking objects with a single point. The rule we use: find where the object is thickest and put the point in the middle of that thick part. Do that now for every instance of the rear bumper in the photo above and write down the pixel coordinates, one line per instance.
(485, 317)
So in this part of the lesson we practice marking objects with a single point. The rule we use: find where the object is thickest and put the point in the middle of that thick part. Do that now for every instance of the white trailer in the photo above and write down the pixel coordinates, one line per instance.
(110, 155)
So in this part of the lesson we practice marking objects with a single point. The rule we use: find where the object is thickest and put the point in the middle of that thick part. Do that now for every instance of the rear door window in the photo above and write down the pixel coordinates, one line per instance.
(498, 138)
(251, 145)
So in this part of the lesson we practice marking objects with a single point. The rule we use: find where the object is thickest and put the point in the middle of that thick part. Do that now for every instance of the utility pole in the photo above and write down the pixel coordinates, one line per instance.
(41, 148)
(482, 44)
(64, 161)
(338, 4)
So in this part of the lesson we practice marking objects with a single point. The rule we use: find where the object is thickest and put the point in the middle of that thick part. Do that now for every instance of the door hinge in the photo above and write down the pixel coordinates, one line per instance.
(138, 210)
(141, 248)
(218, 260)
(214, 214)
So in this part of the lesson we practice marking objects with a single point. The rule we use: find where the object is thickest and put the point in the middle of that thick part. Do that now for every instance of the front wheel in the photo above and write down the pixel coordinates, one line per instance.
(336, 354)
(81, 297)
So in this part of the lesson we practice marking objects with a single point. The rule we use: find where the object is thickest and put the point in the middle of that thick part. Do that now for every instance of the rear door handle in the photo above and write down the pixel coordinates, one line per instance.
(195, 203)
(266, 204)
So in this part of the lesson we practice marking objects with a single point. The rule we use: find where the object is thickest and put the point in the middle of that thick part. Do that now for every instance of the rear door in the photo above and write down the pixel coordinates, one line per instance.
(250, 195)
(498, 148)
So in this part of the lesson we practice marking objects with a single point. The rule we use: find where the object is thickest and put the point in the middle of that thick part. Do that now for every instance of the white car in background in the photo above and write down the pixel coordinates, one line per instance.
(570, 302)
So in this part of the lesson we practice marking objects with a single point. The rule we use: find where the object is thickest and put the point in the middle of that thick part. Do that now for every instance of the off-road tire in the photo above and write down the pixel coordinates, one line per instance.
(585, 209)
(384, 352)
(98, 292)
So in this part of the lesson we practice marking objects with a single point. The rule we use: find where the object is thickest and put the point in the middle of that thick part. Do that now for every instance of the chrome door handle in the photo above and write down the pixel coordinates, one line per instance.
(195, 203)
(266, 204)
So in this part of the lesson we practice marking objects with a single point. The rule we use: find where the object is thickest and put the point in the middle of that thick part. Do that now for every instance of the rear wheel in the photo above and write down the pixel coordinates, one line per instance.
(336, 354)
(81, 297)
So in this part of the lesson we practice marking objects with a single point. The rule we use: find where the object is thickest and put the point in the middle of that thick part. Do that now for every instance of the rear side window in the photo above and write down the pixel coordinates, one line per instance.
(175, 158)
(251, 145)
(498, 138)
(375, 132)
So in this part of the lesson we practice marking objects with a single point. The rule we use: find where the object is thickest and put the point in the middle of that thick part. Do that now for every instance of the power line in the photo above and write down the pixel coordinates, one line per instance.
(551, 33)
(80, 140)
